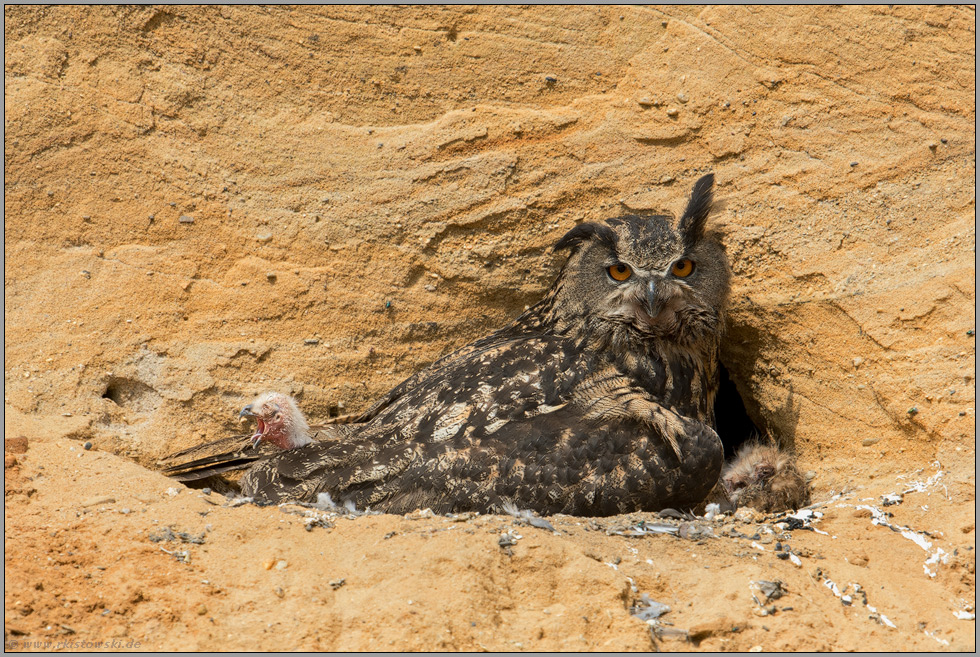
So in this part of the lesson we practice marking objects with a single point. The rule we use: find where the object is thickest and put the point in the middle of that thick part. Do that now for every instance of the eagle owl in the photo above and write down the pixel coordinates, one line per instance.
(598, 400)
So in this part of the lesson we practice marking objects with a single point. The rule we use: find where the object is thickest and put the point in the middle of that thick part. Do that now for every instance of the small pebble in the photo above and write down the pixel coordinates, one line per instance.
(86, 273)
(913, 411)
(263, 237)
(645, 102)
(186, 219)
(206, 490)
(311, 341)
(854, 164)
(87, 445)
(682, 97)
(672, 112)
(550, 79)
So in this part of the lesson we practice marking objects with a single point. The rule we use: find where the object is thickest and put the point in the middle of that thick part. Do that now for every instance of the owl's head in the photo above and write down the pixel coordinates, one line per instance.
(646, 275)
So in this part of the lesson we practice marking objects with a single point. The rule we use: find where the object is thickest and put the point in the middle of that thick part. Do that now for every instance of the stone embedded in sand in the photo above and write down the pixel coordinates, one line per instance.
(16, 445)
(95, 501)
(859, 559)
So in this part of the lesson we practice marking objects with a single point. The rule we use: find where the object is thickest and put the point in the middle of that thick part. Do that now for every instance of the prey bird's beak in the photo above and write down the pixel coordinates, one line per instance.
(247, 411)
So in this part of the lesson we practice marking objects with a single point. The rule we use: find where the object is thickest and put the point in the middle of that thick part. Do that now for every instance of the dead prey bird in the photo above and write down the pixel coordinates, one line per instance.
(765, 478)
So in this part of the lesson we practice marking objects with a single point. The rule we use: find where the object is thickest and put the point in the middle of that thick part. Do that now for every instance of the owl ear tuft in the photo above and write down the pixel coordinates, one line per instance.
(587, 231)
(691, 225)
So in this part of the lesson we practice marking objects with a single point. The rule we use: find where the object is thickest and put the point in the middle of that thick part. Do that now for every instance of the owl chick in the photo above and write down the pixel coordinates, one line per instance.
(280, 425)
(596, 401)
(764, 478)
(279, 421)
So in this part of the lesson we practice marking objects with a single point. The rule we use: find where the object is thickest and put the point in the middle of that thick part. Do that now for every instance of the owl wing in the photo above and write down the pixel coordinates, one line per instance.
(459, 400)
(440, 366)
(535, 421)
(607, 447)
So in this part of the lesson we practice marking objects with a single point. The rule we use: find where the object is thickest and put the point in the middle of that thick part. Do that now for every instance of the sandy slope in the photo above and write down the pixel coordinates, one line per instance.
(205, 203)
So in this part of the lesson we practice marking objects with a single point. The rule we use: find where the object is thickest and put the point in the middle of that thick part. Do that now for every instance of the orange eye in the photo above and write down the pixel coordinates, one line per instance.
(682, 268)
(620, 272)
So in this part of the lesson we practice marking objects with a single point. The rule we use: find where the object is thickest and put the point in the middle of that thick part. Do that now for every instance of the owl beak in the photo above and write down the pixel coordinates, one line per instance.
(653, 303)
